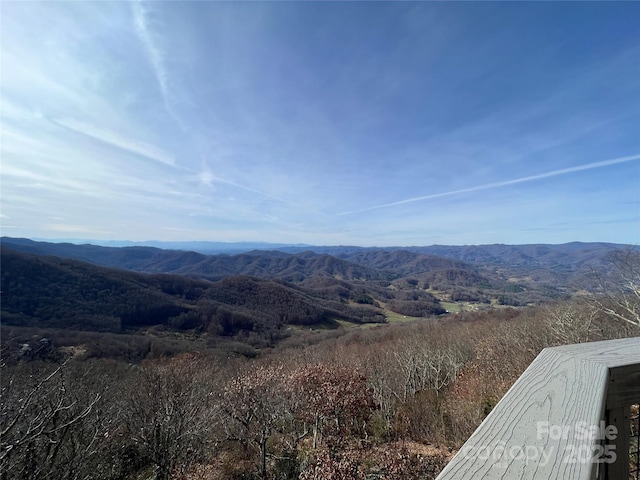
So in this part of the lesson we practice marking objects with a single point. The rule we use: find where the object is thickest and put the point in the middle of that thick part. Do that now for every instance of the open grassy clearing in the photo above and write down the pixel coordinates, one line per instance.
(393, 317)
(453, 307)
(346, 324)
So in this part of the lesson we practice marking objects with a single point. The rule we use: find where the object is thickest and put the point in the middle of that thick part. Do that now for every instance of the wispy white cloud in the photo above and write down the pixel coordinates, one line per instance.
(206, 176)
(506, 183)
(22, 178)
(119, 141)
(248, 189)
(156, 57)
(76, 229)
(154, 53)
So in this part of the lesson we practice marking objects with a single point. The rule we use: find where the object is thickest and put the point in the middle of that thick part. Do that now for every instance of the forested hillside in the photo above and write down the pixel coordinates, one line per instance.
(265, 264)
(51, 292)
(550, 272)
(551, 263)
(258, 292)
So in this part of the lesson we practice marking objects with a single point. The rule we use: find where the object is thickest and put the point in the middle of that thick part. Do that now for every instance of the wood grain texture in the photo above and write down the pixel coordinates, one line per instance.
(539, 430)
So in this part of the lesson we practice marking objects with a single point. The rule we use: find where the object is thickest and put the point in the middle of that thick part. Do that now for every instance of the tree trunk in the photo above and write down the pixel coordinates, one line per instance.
(263, 457)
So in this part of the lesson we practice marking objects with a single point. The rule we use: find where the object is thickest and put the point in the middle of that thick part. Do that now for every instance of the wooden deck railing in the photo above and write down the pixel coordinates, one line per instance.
(566, 417)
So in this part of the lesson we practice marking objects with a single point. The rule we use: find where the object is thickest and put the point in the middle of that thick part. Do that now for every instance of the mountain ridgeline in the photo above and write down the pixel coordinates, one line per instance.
(259, 296)
(264, 264)
(565, 259)
(54, 292)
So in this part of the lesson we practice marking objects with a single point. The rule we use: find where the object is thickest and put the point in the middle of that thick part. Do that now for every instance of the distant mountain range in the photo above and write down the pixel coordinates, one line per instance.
(207, 248)
(255, 296)
(264, 264)
(295, 262)
(518, 254)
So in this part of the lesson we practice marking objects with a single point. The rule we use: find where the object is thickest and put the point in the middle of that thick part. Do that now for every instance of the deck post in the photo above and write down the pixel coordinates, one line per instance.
(619, 419)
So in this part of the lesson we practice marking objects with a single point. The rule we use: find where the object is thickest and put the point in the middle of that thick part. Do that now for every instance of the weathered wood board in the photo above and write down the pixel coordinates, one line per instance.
(550, 424)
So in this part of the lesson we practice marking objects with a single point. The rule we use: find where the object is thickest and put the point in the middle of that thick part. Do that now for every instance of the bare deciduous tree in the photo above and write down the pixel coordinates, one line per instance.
(571, 322)
(335, 400)
(254, 403)
(171, 411)
(618, 294)
(428, 365)
(42, 424)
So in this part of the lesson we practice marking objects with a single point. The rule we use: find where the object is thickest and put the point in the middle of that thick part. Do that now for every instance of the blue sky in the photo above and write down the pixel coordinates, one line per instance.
(362, 123)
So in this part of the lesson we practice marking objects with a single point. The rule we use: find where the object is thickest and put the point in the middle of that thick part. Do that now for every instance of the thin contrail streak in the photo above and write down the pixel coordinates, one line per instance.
(249, 189)
(156, 58)
(531, 178)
